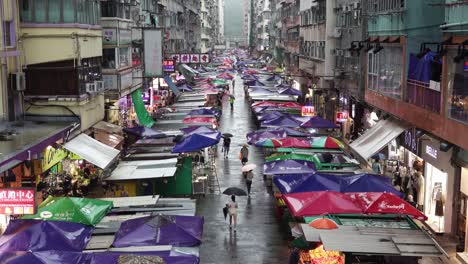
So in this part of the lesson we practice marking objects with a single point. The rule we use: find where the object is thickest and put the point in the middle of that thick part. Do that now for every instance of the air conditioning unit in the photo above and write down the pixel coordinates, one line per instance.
(91, 88)
(20, 81)
(99, 85)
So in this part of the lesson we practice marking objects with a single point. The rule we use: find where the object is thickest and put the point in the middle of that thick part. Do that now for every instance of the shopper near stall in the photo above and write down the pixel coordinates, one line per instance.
(376, 167)
(232, 211)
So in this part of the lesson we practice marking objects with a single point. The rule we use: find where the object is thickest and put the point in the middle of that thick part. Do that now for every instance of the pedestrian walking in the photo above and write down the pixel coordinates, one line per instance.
(248, 181)
(231, 101)
(226, 146)
(233, 84)
(232, 211)
(244, 154)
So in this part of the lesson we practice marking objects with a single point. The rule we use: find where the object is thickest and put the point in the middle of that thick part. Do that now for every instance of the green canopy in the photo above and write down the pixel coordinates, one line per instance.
(143, 117)
(72, 209)
(219, 82)
(293, 156)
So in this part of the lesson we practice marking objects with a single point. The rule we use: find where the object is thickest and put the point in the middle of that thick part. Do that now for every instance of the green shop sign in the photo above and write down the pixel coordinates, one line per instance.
(52, 156)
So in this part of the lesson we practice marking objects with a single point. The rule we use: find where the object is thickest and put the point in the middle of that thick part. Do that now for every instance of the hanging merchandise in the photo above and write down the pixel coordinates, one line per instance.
(143, 117)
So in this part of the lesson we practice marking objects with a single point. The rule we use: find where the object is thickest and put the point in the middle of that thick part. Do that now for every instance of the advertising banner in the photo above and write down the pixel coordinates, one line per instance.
(194, 58)
(169, 66)
(153, 52)
(17, 201)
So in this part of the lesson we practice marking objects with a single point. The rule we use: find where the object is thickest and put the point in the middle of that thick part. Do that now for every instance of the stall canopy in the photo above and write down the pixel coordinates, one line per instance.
(171, 85)
(144, 169)
(72, 209)
(377, 137)
(256, 136)
(38, 235)
(328, 182)
(176, 230)
(92, 150)
(318, 122)
(144, 132)
(196, 142)
(288, 167)
(143, 116)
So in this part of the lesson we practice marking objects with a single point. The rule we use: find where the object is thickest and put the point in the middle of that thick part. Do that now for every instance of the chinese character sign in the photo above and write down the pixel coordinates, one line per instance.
(195, 58)
(341, 116)
(308, 111)
(204, 58)
(17, 201)
(168, 66)
(176, 57)
(184, 58)
(153, 52)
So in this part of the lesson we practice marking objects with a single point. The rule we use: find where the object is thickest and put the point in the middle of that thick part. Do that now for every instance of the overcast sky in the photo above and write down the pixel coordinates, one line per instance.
(233, 18)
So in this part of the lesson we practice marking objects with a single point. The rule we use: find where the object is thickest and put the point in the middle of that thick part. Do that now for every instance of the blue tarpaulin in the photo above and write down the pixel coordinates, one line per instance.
(290, 91)
(203, 111)
(422, 69)
(196, 142)
(319, 122)
(254, 83)
(282, 121)
(171, 85)
(340, 183)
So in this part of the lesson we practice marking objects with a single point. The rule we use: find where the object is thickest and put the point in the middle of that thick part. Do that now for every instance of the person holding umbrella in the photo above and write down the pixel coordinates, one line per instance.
(232, 211)
(226, 145)
(247, 170)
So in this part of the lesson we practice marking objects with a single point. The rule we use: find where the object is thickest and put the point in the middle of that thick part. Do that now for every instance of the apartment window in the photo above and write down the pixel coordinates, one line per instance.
(124, 57)
(457, 75)
(109, 58)
(385, 6)
(136, 56)
(61, 11)
(384, 71)
(7, 33)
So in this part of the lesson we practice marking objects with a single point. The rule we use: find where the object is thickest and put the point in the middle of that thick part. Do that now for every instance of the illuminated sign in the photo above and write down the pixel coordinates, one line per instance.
(308, 111)
(341, 116)
(168, 65)
(17, 201)
(465, 66)
(431, 152)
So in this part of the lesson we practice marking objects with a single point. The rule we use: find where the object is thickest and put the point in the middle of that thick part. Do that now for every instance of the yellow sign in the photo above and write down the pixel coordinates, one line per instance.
(53, 156)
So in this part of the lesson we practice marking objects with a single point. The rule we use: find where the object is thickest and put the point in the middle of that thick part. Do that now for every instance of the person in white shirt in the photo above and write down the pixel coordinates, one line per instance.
(232, 211)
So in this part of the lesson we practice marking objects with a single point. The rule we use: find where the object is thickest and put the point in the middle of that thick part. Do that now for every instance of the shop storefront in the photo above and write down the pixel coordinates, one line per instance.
(461, 159)
(439, 187)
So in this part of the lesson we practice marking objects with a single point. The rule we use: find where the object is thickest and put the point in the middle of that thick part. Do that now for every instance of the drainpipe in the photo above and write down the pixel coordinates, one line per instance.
(4, 67)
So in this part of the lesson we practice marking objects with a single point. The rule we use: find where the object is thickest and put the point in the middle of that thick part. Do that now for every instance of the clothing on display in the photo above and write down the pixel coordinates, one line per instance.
(438, 197)
(420, 189)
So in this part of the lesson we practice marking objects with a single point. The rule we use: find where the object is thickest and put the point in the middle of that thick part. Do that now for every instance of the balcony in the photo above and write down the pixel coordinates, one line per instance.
(293, 21)
(419, 94)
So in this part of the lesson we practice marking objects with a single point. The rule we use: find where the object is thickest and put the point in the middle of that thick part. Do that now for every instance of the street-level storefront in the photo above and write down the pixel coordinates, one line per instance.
(439, 191)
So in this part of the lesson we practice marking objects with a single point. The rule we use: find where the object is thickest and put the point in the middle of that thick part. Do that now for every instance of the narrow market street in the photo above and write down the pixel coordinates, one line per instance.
(259, 238)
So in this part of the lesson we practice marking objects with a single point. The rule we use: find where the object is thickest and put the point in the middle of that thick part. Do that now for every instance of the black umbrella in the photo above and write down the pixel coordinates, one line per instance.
(235, 191)
(227, 135)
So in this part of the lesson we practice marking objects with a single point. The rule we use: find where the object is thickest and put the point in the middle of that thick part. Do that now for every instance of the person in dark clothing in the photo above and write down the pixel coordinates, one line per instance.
(226, 146)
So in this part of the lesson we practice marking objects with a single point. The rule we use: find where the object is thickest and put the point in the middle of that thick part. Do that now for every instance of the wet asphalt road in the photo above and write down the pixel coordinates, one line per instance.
(259, 238)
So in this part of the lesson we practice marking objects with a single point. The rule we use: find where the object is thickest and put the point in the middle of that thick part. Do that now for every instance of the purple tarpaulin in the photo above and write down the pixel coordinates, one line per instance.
(183, 231)
(274, 78)
(145, 132)
(327, 182)
(255, 136)
(41, 257)
(203, 111)
(318, 122)
(307, 183)
(197, 130)
(254, 83)
(38, 235)
(290, 91)
(282, 121)
(270, 116)
(196, 142)
(288, 167)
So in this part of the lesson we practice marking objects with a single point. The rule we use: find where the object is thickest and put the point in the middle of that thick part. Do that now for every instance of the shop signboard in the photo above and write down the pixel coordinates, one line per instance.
(125, 37)
(465, 66)
(204, 58)
(341, 116)
(52, 156)
(194, 58)
(307, 110)
(152, 42)
(409, 139)
(184, 58)
(18, 201)
(109, 36)
(169, 66)
(176, 57)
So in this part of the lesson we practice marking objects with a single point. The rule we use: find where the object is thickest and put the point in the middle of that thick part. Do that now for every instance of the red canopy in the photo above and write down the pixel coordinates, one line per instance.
(199, 119)
(385, 203)
(225, 75)
(320, 203)
(205, 86)
(291, 142)
(289, 105)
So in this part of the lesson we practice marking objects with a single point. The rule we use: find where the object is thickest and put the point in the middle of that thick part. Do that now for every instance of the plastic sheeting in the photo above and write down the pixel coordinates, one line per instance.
(377, 137)
(145, 169)
(143, 117)
(183, 231)
(38, 235)
(92, 150)
(288, 167)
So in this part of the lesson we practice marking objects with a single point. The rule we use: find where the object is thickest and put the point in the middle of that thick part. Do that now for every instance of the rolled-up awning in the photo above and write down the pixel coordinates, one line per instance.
(136, 170)
(92, 150)
(171, 85)
(377, 137)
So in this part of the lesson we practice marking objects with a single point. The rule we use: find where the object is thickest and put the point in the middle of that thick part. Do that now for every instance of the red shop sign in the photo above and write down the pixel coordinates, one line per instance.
(17, 201)
(308, 111)
(341, 117)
